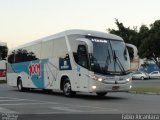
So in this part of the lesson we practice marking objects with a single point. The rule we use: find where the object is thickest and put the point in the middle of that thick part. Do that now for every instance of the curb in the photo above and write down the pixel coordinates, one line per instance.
(145, 93)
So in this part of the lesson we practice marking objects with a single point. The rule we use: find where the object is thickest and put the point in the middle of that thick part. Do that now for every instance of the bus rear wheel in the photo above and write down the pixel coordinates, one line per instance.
(101, 94)
(20, 86)
(67, 91)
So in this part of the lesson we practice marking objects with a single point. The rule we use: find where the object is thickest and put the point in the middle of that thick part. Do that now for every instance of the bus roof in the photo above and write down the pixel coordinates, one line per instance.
(93, 33)
(72, 32)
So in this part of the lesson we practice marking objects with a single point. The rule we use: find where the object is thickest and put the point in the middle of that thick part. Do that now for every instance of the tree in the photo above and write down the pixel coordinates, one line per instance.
(150, 48)
(146, 39)
(128, 35)
(21, 55)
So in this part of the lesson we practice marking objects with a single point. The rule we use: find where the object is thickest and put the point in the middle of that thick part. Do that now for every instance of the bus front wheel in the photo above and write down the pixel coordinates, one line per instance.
(67, 91)
(101, 94)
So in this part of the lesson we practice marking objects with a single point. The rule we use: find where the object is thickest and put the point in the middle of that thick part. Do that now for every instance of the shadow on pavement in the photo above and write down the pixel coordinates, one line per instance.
(85, 96)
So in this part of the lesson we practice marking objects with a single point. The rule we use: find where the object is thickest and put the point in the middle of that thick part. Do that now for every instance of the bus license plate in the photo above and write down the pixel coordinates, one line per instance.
(115, 87)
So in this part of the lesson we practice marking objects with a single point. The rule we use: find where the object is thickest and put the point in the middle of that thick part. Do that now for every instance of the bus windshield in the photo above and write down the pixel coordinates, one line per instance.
(109, 57)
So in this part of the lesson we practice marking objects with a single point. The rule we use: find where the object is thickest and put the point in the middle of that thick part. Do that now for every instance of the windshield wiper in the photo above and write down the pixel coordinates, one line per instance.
(108, 59)
(116, 60)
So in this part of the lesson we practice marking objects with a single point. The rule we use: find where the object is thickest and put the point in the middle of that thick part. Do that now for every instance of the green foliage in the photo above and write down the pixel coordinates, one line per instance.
(22, 55)
(146, 39)
(150, 48)
(128, 35)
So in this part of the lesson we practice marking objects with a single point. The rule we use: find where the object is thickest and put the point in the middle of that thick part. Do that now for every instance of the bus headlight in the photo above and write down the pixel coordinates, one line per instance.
(96, 78)
(100, 79)
(129, 79)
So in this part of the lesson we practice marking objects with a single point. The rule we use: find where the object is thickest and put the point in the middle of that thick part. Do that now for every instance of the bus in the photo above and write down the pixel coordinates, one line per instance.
(3, 55)
(71, 61)
(3, 70)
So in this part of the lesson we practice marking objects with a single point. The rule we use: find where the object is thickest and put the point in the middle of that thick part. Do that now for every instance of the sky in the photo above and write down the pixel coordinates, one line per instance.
(22, 21)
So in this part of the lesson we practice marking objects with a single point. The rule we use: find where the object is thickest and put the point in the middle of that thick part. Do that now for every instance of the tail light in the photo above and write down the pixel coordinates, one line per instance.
(2, 73)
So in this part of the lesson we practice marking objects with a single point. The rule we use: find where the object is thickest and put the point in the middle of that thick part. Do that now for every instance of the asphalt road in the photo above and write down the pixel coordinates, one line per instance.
(38, 105)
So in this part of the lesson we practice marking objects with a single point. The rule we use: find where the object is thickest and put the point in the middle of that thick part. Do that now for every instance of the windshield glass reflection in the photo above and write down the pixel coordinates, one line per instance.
(109, 56)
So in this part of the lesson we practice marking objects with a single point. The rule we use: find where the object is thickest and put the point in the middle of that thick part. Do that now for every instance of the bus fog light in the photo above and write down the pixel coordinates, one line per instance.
(129, 79)
(130, 86)
(94, 87)
(100, 79)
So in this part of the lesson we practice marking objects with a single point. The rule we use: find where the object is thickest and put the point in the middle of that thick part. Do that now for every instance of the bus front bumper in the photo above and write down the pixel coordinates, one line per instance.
(96, 86)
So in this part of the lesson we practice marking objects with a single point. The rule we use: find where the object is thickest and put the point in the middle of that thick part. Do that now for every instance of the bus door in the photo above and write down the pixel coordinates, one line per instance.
(82, 71)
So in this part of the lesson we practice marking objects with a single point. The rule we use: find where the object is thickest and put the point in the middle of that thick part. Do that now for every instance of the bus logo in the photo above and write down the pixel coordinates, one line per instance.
(64, 64)
(99, 40)
(35, 69)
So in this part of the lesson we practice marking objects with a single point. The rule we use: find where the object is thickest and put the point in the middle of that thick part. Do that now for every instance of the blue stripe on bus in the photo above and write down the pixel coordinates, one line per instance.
(34, 70)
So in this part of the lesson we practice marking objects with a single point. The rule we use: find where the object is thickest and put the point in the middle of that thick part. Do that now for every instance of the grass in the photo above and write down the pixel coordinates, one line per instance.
(155, 90)
(3, 81)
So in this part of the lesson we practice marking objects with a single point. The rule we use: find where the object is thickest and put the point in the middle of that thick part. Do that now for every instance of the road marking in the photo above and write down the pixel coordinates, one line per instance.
(44, 113)
(99, 108)
(21, 104)
(19, 99)
(4, 110)
(89, 110)
(66, 109)
(3, 97)
(13, 100)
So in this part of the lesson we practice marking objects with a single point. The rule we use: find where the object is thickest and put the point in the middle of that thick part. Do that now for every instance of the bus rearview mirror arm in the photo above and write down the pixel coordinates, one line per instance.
(88, 43)
(135, 50)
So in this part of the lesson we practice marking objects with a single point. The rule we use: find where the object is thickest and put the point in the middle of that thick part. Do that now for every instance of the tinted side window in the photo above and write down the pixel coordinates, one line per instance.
(138, 73)
(3, 52)
(60, 48)
(11, 57)
(36, 50)
(23, 55)
(47, 49)
(30, 54)
(20, 55)
(155, 73)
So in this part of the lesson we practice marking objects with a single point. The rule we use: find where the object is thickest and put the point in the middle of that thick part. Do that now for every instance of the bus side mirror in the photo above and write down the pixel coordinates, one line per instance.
(135, 61)
(88, 43)
(135, 50)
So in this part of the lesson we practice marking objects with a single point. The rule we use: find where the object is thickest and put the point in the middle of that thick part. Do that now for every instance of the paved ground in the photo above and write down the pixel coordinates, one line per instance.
(39, 105)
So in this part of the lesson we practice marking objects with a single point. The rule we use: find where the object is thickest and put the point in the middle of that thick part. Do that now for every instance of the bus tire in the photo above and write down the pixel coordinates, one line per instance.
(142, 78)
(101, 94)
(20, 86)
(67, 91)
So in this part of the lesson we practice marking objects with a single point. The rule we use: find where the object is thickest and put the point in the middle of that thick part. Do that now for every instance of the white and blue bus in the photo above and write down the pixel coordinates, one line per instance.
(71, 61)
